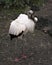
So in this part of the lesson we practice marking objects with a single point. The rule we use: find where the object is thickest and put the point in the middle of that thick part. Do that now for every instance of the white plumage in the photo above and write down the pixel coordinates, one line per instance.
(23, 19)
(36, 19)
(16, 28)
(22, 23)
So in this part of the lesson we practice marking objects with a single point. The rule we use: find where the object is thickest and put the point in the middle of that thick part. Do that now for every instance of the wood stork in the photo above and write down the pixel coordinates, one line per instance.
(23, 24)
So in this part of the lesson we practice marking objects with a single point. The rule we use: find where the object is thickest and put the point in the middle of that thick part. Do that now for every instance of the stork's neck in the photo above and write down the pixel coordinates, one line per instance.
(32, 17)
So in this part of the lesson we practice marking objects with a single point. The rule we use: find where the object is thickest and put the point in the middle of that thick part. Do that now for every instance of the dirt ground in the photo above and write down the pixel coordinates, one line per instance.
(34, 49)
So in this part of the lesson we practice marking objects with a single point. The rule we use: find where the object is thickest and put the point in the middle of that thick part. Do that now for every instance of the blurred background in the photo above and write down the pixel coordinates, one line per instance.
(21, 4)
(37, 49)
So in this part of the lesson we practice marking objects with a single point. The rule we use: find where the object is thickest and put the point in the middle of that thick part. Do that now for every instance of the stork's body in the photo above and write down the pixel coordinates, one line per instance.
(22, 23)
